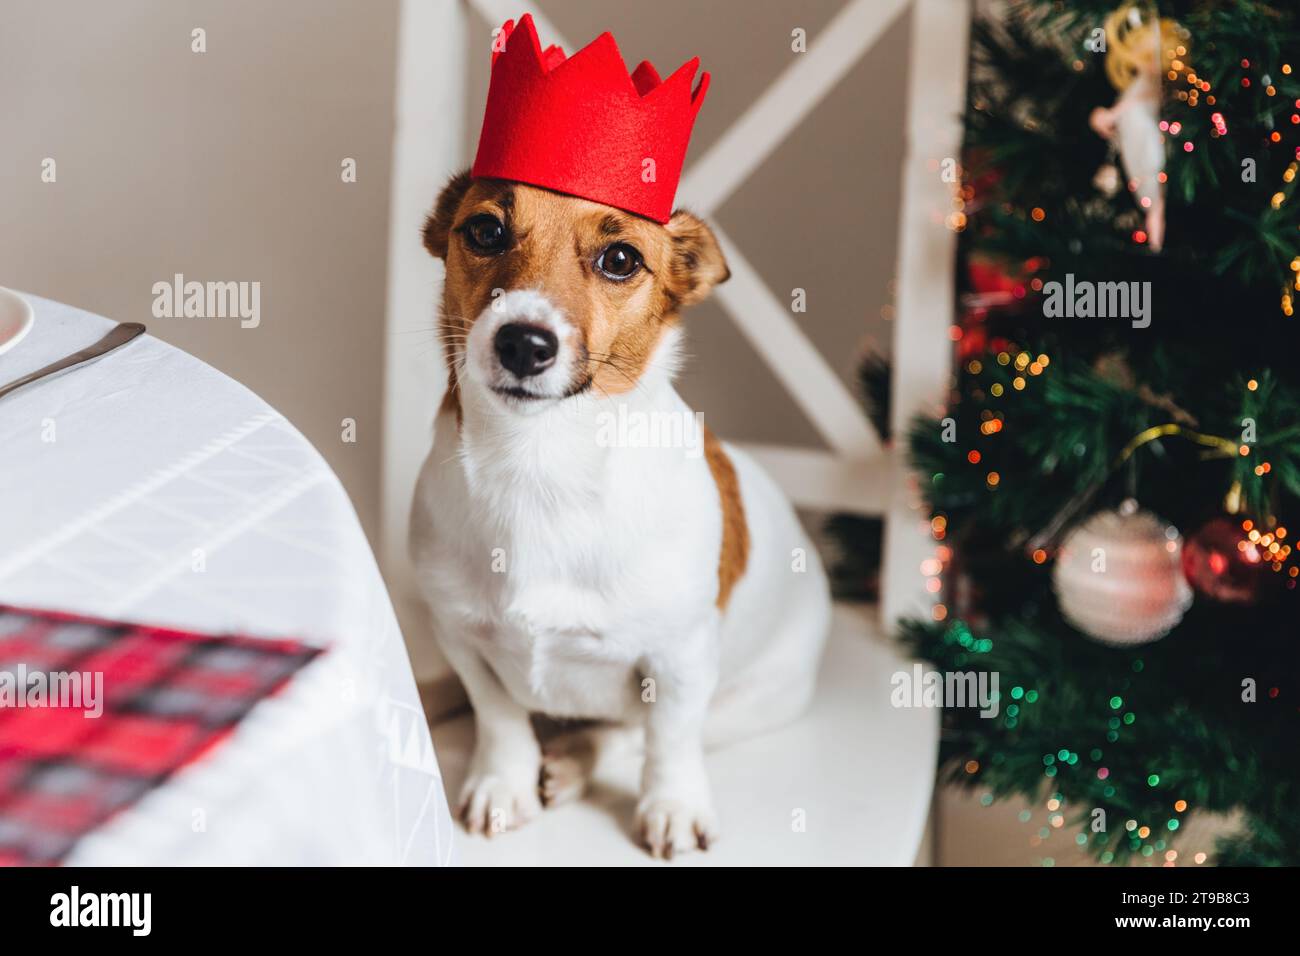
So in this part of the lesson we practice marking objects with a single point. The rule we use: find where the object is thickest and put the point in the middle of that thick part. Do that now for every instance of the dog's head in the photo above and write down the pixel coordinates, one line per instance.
(548, 296)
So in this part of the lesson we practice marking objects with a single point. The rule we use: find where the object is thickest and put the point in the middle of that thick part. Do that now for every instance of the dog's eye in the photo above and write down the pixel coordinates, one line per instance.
(620, 261)
(486, 234)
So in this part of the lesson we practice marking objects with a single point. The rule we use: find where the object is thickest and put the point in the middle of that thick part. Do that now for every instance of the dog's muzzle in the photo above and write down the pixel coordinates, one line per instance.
(522, 349)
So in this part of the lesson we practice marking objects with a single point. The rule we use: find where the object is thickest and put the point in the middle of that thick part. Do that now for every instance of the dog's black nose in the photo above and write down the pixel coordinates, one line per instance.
(526, 349)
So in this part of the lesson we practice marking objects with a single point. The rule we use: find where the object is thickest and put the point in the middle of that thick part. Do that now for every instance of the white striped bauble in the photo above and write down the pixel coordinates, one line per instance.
(1119, 579)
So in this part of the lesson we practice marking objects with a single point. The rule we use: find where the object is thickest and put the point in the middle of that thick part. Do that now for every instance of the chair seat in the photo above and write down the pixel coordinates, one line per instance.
(858, 773)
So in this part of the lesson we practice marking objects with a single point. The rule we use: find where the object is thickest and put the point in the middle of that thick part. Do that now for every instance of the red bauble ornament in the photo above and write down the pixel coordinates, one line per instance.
(974, 335)
(993, 278)
(1222, 564)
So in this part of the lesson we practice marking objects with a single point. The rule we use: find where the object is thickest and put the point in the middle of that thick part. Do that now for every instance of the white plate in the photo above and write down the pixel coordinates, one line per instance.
(16, 319)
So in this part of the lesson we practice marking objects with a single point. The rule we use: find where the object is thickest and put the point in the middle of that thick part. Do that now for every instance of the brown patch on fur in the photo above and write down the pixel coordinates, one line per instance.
(735, 530)
(697, 263)
(437, 227)
(555, 243)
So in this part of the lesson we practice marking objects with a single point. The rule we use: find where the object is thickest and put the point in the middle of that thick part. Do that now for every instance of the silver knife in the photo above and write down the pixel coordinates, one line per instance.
(117, 336)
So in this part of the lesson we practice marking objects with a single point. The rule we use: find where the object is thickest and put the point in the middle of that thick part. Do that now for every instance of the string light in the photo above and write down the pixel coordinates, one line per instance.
(1268, 546)
(1266, 543)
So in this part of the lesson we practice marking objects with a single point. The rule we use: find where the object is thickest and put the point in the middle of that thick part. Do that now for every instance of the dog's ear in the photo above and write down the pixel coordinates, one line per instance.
(697, 264)
(438, 226)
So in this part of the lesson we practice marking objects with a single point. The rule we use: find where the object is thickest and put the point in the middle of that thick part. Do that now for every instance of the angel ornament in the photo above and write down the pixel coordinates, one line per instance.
(1138, 52)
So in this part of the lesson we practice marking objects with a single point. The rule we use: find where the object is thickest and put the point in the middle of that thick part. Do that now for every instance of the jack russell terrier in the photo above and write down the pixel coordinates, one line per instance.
(575, 570)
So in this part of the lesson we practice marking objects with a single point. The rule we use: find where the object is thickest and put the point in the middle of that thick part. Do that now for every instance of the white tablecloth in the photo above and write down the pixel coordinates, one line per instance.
(117, 481)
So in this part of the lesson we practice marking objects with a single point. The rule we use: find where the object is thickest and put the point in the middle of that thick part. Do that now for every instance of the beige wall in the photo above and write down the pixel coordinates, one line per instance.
(223, 165)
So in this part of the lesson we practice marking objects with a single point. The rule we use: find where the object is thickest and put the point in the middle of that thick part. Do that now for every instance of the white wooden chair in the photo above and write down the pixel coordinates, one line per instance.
(857, 473)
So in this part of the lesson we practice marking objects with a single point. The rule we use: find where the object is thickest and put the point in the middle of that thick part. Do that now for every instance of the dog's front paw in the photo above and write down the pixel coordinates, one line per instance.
(667, 825)
(493, 802)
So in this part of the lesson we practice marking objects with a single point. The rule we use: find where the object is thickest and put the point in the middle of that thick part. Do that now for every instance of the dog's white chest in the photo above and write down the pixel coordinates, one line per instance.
(550, 647)
(568, 566)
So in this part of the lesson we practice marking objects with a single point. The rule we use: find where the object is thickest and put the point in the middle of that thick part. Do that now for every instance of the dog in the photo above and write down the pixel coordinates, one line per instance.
(668, 590)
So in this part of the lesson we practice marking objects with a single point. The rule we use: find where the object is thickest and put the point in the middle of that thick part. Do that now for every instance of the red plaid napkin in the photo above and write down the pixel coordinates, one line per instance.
(163, 697)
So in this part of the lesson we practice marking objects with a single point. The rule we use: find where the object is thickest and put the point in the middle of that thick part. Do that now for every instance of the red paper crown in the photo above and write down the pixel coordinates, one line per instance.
(583, 126)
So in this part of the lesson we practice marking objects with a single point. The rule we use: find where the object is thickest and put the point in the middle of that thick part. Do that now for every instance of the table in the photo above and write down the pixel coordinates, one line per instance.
(150, 487)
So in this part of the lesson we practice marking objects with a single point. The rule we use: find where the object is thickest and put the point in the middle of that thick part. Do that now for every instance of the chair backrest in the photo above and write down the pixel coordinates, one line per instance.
(856, 472)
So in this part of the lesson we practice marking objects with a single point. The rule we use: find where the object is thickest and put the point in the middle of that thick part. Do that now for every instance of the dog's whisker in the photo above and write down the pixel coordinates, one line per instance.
(636, 383)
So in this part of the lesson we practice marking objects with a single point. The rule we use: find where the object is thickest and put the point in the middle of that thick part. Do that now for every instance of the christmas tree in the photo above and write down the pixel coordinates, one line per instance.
(1113, 478)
